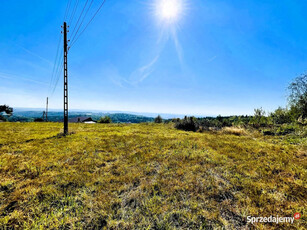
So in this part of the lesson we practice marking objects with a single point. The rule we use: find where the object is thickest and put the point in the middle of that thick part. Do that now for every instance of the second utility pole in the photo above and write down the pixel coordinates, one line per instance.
(65, 82)
(47, 110)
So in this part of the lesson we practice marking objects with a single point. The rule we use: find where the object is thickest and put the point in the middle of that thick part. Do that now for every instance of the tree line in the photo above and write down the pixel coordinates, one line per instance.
(281, 121)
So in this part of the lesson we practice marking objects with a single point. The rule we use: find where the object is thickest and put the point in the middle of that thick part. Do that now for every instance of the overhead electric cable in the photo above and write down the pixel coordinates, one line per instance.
(55, 62)
(74, 36)
(67, 10)
(73, 12)
(79, 17)
(59, 72)
(74, 41)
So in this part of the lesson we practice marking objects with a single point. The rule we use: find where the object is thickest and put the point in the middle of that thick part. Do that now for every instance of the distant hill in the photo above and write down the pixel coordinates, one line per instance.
(56, 116)
(144, 114)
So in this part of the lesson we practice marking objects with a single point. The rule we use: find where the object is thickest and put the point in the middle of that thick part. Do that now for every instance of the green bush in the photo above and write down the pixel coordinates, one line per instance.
(175, 120)
(158, 119)
(105, 119)
(286, 129)
(188, 124)
(259, 119)
(298, 97)
(281, 116)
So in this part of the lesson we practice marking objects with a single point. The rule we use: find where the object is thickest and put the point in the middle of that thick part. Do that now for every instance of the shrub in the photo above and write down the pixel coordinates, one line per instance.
(188, 124)
(158, 119)
(241, 121)
(38, 119)
(286, 129)
(298, 96)
(259, 119)
(281, 116)
(175, 120)
(105, 119)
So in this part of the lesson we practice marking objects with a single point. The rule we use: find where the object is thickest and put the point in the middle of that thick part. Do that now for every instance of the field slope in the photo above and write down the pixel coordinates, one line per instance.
(146, 176)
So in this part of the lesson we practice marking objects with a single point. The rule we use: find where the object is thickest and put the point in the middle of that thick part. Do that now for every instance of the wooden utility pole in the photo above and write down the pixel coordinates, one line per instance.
(47, 110)
(65, 82)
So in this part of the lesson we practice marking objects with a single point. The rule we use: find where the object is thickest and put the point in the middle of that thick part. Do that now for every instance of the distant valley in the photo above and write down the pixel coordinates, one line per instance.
(57, 116)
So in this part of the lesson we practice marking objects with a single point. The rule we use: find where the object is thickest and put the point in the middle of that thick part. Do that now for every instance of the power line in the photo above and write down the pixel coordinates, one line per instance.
(55, 63)
(81, 21)
(59, 72)
(60, 63)
(58, 66)
(73, 13)
(79, 17)
(56, 72)
(67, 9)
(103, 2)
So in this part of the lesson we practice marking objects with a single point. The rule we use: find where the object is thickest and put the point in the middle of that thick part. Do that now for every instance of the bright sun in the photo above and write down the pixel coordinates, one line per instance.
(169, 10)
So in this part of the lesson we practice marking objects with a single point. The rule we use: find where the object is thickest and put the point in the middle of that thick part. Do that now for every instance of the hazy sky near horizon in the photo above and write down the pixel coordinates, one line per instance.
(219, 57)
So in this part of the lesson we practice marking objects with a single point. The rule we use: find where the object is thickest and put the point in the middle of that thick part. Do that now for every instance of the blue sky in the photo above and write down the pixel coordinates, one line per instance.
(219, 57)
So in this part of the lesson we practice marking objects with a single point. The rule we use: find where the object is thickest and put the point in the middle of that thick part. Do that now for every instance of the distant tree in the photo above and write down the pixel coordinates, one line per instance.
(298, 97)
(5, 109)
(281, 116)
(219, 118)
(259, 119)
(105, 119)
(175, 120)
(188, 124)
(259, 112)
(158, 119)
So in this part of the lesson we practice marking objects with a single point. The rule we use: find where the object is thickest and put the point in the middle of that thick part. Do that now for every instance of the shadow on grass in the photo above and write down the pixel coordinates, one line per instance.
(57, 136)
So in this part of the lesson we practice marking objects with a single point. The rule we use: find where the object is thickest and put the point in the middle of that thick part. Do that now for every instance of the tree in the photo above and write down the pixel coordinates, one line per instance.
(7, 110)
(259, 119)
(105, 119)
(298, 97)
(158, 119)
(258, 113)
(281, 116)
(175, 120)
(188, 124)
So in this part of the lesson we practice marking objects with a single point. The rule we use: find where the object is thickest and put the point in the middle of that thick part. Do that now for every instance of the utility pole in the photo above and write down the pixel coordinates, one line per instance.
(47, 110)
(65, 82)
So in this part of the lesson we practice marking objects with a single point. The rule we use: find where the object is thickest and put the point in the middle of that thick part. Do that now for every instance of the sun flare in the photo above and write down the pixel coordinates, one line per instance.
(169, 10)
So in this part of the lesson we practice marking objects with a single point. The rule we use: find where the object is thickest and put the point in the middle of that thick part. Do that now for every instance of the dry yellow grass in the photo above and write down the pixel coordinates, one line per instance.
(146, 176)
(235, 131)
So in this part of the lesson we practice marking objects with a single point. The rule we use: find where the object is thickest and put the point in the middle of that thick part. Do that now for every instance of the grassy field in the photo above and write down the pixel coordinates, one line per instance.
(147, 176)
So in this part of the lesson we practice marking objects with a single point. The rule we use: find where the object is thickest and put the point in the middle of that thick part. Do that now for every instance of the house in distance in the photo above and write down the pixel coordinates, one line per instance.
(87, 120)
